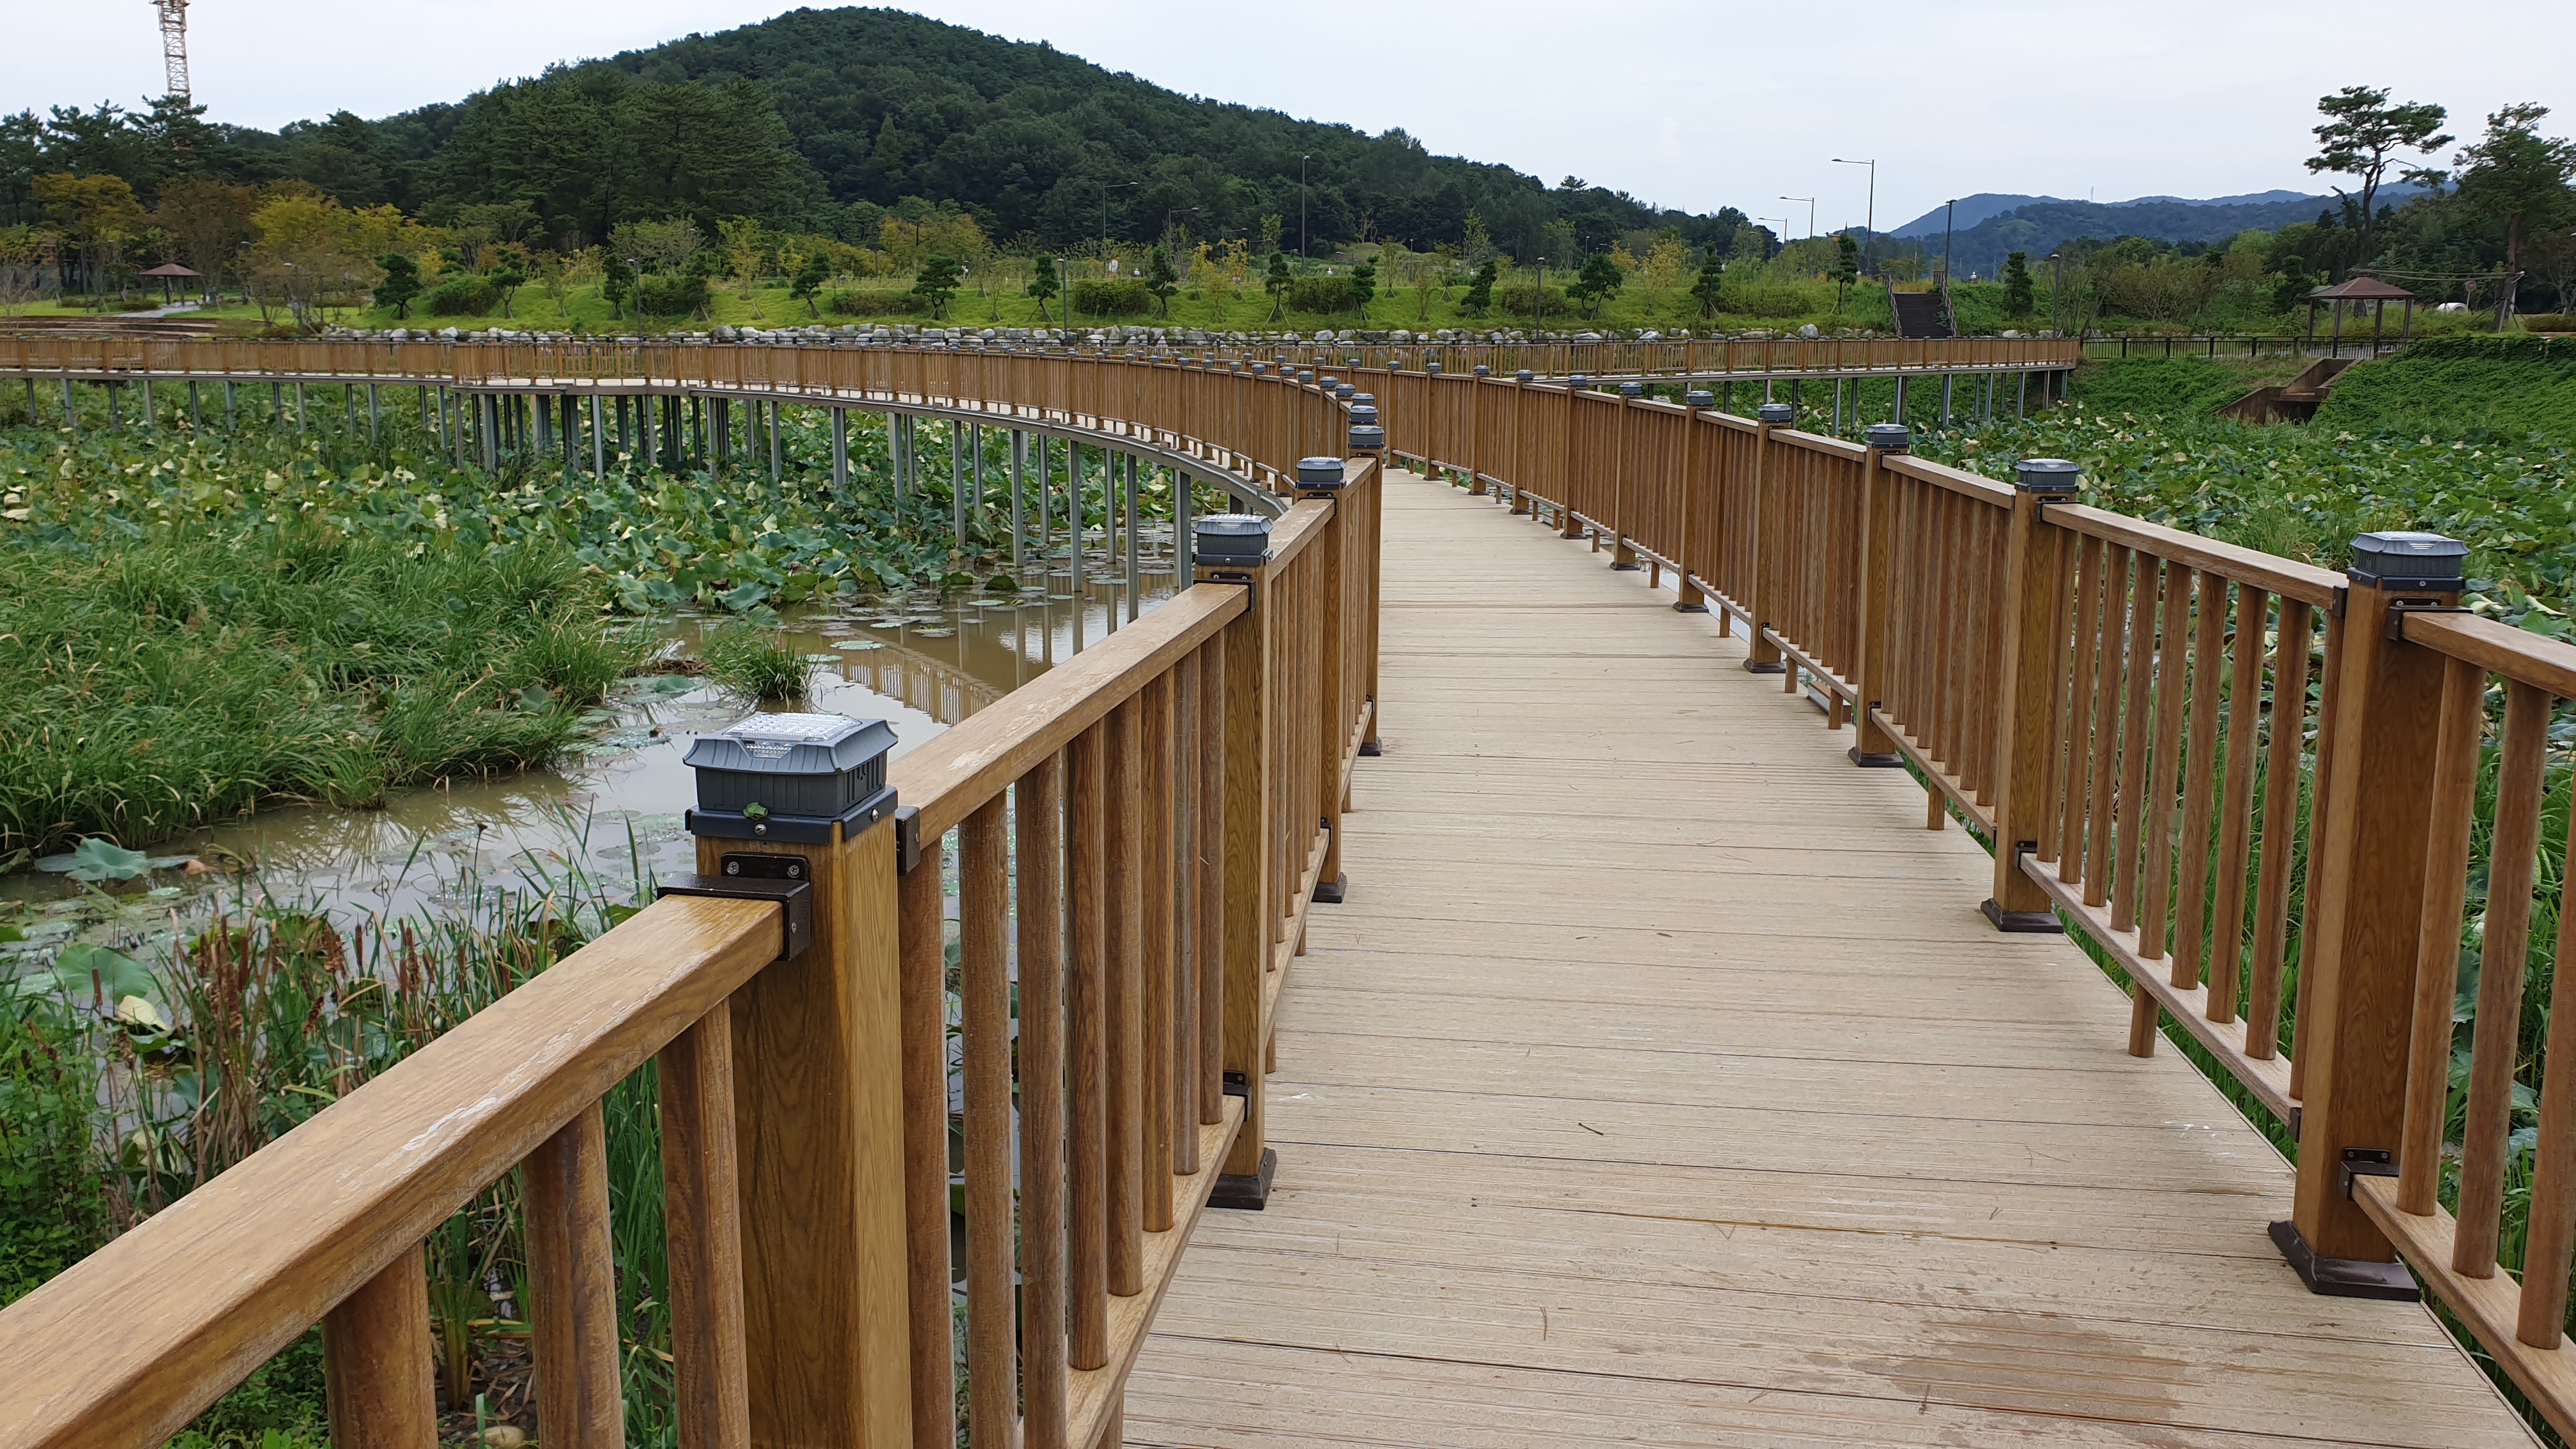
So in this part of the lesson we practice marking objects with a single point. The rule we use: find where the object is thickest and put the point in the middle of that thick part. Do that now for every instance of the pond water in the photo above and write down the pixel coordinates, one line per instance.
(611, 813)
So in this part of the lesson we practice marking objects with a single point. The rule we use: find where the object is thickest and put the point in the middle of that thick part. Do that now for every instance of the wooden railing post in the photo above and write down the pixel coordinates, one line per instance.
(2366, 910)
(1235, 549)
(2032, 658)
(1686, 557)
(1623, 554)
(376, 1361)
(817, 1054)
(1761, 656)
(1871, 748)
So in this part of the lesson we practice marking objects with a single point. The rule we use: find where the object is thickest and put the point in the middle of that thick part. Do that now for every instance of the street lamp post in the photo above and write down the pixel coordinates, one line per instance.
(1948, 217)
(1538, 298)
(1784, 228)
(1869, 227)
(1811, 213)
(2057, 293)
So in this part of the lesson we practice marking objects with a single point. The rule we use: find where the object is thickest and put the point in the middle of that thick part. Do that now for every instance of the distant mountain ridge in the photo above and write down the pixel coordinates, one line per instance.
(1985, 204)
(2038, 224)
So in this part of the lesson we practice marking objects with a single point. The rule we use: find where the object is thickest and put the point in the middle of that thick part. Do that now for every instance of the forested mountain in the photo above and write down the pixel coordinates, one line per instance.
(820, 120)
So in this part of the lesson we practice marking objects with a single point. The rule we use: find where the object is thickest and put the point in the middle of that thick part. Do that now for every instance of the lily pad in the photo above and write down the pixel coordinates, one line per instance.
(863, 644)
(98, 858)
(934, 633)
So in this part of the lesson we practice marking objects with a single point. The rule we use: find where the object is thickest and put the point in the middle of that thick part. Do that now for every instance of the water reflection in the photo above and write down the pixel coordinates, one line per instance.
(613, 812)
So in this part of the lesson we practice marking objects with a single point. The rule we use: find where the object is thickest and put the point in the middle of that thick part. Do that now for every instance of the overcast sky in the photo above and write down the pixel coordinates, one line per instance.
(1695, 105)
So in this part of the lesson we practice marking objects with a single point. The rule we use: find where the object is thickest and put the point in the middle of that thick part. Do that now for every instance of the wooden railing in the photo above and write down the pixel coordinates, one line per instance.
(2251, 782)
(1138, 839)
(2133, 715)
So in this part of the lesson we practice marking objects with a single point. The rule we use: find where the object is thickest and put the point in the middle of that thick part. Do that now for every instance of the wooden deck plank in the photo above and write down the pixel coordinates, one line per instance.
(1659, 1083)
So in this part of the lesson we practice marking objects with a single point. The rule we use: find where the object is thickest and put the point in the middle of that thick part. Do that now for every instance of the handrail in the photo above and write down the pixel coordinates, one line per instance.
(1154, 820)
(129, 1344)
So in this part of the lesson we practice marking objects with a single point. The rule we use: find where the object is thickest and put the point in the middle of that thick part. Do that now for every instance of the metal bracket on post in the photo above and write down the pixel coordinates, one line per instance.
(2345, 1277)
(1245, 1191)
(2025, 923)
(1873, 759)
(907, 838)
(747, 877)
(1371, 749)
(1330, 892)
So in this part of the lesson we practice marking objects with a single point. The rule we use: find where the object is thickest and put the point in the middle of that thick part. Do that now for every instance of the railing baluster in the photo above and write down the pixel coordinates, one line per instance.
(983, 908)
(924, 1004)
(1155, 804)
(2110, 661)
(2511, 861)
(2072, 868)
(1123, 1006)
(2236, 807)
(1087, 1143)
(702, 1207)
(2200, 778)
(2280, 830)
(376, 1361)
(572, 1288)
(2437, 952)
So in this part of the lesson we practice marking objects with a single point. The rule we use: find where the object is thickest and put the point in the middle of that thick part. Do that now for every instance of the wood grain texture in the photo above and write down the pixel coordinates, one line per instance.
(572, 1287)
(820, 1072)
(1694, 1103)
(355, 1187)
(702, 1216)
(376, 1361)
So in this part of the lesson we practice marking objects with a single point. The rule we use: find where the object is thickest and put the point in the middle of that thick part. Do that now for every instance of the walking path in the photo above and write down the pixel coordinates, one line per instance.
(1660, 1083)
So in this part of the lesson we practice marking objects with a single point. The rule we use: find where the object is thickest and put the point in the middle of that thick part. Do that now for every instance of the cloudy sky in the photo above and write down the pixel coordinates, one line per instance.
(1695, 105)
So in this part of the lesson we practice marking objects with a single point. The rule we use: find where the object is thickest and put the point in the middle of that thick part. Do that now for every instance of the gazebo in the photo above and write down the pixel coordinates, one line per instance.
(2362, 289)
(170, 272)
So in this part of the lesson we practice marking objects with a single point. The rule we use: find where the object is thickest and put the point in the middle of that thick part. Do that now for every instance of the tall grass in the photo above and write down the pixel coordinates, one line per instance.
(151, 681)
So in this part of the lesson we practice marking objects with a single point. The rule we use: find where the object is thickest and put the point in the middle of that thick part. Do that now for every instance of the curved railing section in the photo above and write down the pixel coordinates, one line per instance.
(1138, 838)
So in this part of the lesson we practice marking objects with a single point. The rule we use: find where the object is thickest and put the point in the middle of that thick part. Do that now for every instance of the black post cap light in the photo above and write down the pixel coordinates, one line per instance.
(1483, 371)
(1319, 475)
(2056, 477)
(1888, 437)
(2410, 561)
(1632, 389)
(1523, 375)
(1231, 544)
(1776, 412)
(791, 777)
(1700, 397)
(1367, 438)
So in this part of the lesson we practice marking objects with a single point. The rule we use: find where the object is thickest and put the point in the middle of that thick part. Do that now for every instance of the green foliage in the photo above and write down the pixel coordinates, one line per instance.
(876, 304)
(465, 295)
(1161, 280)
(1709, 287)
(808, 281)
(1111, 297)
(2169, 388)
(2512, 386)
(1480, 289)
(53, 1207)
(1363, 287)
(1321, 295)
(754, 663)
(2518, 178)
(154, 682)
(2019, 295)
(401, 283)
(1522, 299)
(936, 282)
(1275, 280)
(684, 295)
(616, 281)
(1598, 283)
(1044, 283)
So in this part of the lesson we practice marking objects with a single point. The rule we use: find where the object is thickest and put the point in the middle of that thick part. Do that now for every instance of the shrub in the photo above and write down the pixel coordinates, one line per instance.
(1113, 297)
(1320, 294)
(2550, 321)
(465, 296)
(1773, 301)
(876, 304)
(754, 663)
(679, 296)
(1514, 299)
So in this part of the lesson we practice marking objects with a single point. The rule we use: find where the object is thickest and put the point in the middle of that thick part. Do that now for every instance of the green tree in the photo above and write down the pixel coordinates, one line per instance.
(2019, 296)
(2362, 137)
(1597, 284)
(936, 282)
(1276, 283)
(616, 284)
(509, 278)
(2517, 177)
(809, 279)
(1161, 280)
(401, 283)
(1044, 282)
(1846, 268)
(1480, 287)
(1363, 287)
(1709, 287)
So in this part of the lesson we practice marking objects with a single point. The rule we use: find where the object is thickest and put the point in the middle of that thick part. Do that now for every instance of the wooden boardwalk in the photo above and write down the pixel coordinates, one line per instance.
(1660, 1084)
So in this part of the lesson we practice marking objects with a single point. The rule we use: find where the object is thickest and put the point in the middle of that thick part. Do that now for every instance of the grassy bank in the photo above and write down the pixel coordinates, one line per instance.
(2490, 386)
